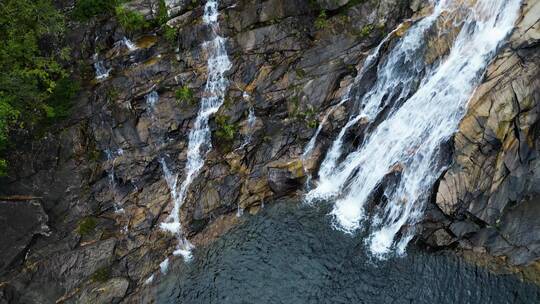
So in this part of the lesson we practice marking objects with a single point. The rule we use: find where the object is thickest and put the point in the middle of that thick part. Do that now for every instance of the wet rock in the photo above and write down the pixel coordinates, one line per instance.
(284, 178)
(493, 178)
(21, 220)
(441, 238)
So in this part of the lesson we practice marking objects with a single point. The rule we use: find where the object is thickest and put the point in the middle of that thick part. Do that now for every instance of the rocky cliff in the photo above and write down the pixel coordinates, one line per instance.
(96, 185)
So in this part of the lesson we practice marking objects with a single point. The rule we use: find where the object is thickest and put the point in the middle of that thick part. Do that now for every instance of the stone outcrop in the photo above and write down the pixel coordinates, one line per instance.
(490, 193)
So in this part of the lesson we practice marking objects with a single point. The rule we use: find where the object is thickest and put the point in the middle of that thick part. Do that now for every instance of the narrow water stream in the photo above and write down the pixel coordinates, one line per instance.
(290, 254)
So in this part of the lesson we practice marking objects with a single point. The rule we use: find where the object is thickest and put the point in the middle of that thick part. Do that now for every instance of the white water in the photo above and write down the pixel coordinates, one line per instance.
(411, 135)
(311, 144)
(111, 157)
(199, 137)
(101, 71)
(164, 266)
(129, 44)
(251, 120)
(151, 99)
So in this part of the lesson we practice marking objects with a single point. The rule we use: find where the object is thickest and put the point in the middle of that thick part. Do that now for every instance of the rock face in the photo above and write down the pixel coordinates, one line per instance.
(21, 220)
(100, 174)
(490, 193)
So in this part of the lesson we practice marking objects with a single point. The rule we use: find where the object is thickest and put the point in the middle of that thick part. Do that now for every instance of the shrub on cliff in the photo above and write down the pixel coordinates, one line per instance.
(130, 21)
(31, 63)
(86, 9)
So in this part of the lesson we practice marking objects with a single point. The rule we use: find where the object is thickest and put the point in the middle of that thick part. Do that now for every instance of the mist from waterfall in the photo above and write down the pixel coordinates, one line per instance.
(426, 104)
(199, 141)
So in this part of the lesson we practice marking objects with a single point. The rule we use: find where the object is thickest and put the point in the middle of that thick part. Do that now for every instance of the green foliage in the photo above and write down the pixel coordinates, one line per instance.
(87, 9)
(86, 226)
(321, 22)
(185, 95)
(61, 99)
(366, 30)
(170, 34)
(130, 21)
(31, 63)
(307, 116)
(162, 15)
(226, 130)
(101, 275)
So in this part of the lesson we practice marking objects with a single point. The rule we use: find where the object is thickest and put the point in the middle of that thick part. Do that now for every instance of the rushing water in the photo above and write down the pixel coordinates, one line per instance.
(101, 71)
(426, 104)
(129, 44)
(199, 137)
(290, 254)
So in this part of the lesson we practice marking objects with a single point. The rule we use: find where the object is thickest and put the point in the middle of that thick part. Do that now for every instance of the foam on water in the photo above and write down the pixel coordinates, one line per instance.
(432, 101)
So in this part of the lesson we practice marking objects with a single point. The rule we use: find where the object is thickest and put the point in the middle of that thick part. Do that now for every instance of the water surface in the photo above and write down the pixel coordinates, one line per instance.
(289, 253)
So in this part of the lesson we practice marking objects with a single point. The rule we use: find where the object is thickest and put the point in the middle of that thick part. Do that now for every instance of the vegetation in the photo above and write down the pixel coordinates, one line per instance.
(130, 21)
(308, 116)
(321, 21)
(366, 30)
(86, 9)
(170, 34)
(162, 15)
(86, 226)
(101, 275)
(34, 85)
(226, 130)
(184, 95)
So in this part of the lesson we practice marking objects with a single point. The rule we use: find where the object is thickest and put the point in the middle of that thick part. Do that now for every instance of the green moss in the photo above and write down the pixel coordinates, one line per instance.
(112, 93)
(226, 130)
(365, 30)
(171, 34)
(162, 15)
(101, 275)
(86, 226)
(321, 21)
(130, 21)
(185, 95)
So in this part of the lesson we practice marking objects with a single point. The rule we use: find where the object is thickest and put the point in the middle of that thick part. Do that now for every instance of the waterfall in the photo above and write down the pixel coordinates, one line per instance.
(426, 105)
(129, 44)
(199, 140)
(101, 71)
(151, 99)
(251, 120)
(111, 157)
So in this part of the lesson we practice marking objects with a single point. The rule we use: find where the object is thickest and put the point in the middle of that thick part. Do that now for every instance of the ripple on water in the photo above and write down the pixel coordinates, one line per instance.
(290, 254)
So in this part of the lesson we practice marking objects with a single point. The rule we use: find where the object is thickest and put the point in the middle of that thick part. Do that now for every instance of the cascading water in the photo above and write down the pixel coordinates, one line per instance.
(199, 137)
(151, 99)
(129, 44)
(111, 157)
(101, 71)
(427, 103)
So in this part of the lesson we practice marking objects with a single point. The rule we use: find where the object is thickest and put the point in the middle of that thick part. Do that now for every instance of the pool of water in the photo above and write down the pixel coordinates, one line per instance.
(289, 253)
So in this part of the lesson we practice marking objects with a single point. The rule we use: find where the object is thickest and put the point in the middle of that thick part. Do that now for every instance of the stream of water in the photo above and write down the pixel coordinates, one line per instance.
(199, 141)
(426, 104)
